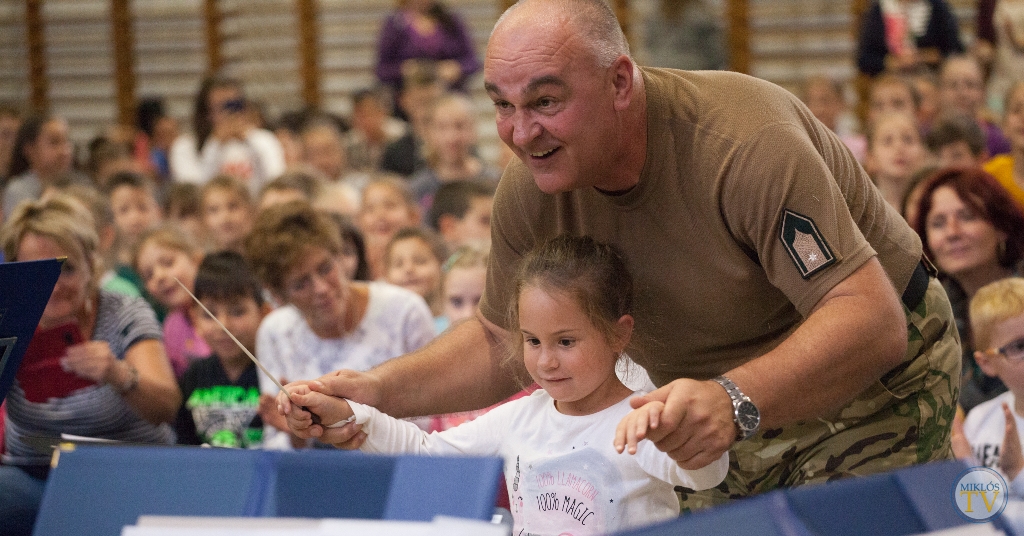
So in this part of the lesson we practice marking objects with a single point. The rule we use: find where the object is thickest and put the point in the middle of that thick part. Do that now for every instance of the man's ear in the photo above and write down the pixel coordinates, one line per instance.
(623, 72)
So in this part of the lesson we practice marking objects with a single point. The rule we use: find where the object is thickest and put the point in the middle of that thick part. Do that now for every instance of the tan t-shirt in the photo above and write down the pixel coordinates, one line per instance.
(747, 213)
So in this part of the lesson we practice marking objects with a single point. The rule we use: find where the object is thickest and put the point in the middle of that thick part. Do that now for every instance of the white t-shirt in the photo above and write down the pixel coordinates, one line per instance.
(984, 428)
(562, 472)
(397, 321)
(255, 161)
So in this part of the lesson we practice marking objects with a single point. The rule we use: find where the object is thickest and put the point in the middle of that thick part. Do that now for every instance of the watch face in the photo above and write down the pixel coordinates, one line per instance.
(747, 416)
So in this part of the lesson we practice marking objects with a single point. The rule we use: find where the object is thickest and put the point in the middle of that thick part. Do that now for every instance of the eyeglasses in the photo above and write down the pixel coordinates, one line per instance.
(1013, 351)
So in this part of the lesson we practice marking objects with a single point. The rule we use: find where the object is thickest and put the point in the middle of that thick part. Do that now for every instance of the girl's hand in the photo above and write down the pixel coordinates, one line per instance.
(91, 360)
(633, 427)
(331, 410)
(1011, 460)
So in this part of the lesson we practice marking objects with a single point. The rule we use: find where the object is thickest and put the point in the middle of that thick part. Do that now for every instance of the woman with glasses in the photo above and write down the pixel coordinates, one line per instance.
(327, 322)
(974, 233)
(95, 367)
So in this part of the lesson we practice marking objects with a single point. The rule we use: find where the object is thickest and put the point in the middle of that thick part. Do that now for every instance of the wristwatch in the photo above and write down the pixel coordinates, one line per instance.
(745, 413)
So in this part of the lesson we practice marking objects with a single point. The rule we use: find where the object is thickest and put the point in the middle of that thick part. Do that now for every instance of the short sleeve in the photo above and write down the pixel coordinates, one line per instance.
(783, 202)
(124, 321)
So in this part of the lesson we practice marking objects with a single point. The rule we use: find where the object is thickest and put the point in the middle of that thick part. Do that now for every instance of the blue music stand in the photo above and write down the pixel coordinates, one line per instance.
(25, 289)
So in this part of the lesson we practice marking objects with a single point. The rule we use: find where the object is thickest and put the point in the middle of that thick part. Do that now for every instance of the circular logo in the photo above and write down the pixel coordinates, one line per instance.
(980, 494)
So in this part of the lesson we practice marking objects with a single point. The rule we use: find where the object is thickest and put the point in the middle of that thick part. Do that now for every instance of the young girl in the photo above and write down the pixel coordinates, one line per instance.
(465, 274)
(227, 212)
(42, 153)
(413, 259)
(895, 153)
(387, 206)
(562, 469)
(163, 254)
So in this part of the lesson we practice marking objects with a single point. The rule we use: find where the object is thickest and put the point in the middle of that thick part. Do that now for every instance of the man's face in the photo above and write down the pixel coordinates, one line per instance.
(554, 106)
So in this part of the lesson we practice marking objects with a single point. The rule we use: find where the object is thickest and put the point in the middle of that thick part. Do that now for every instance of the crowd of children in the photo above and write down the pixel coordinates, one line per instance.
(324, 243)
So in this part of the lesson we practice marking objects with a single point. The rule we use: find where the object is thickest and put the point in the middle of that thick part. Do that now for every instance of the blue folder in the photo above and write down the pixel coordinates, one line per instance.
(25, 288)
(97, 490)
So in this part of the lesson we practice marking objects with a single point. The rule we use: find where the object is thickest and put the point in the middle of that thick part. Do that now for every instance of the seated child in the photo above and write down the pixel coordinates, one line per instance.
(895, 154)
(227, 212)
(163, 254)
(221, 393)
(957, 141)
(386, 206)
(462, 213)
(573, 311)
(413, 259)
(993, 428)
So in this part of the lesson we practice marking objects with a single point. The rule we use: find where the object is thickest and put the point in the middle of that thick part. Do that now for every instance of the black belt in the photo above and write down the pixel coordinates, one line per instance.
(918, 284)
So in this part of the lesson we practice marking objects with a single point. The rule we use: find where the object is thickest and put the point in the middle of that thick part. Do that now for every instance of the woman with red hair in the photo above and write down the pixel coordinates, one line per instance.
(974, 232)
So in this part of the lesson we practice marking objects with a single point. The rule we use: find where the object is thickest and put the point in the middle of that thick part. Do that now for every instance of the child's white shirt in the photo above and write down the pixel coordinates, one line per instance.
(984, 428)
(562, 473)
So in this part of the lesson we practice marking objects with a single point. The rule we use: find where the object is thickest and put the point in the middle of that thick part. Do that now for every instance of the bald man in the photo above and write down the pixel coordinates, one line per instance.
(776, 289)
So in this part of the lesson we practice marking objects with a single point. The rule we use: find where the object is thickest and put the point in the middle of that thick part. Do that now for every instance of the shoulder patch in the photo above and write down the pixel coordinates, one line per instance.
(805, 245)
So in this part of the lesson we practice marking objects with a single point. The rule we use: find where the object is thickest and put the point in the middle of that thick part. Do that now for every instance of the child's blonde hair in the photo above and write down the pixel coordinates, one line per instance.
(469, 256)
(994, 303)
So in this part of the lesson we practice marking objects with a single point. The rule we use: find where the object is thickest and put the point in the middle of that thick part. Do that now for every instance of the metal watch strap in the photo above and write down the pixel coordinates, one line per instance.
(737, 398)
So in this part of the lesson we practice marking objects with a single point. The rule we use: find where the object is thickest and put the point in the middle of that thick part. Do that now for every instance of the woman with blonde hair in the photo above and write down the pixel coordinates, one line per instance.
(96, 366)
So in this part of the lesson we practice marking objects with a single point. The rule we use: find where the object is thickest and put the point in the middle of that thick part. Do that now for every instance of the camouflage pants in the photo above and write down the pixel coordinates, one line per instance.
(903, 419)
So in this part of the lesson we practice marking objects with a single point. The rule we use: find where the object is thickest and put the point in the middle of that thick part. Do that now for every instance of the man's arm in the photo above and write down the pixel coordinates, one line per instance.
(854, 335)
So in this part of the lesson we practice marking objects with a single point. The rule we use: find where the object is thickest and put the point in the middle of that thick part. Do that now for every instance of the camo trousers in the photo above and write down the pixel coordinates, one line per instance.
(901, 420)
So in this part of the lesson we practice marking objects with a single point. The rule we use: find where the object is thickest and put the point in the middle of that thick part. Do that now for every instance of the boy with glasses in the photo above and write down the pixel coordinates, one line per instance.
(993, 428)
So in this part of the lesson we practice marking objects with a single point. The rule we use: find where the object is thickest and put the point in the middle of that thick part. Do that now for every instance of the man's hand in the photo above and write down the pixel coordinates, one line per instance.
(696, 425)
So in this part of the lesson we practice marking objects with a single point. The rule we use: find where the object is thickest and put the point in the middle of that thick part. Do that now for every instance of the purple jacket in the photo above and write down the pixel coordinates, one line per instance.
(399, 42)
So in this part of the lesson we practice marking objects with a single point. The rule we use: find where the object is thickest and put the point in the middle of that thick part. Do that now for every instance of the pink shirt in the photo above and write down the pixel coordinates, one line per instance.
(182, 343)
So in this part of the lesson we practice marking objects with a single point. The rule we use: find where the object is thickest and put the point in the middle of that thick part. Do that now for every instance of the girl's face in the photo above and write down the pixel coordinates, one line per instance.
(566, 354)
(463, 288)
(1013, 124)
(896, 150)
(412, 265)
(227, 216)
(960, 239)
(72, 289)
(135, 211)
(316, 286)
(383, 212)
(451, 132)
(159, 265)
(50, 153)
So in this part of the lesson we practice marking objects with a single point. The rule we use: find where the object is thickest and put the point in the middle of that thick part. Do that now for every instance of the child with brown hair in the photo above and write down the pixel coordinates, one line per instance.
(386, 207)
(227, 212)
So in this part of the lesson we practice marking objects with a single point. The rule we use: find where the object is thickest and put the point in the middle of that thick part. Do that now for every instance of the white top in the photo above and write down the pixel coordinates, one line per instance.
(562, 472)
(256, 160)
(984, 428)
(397, 321)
